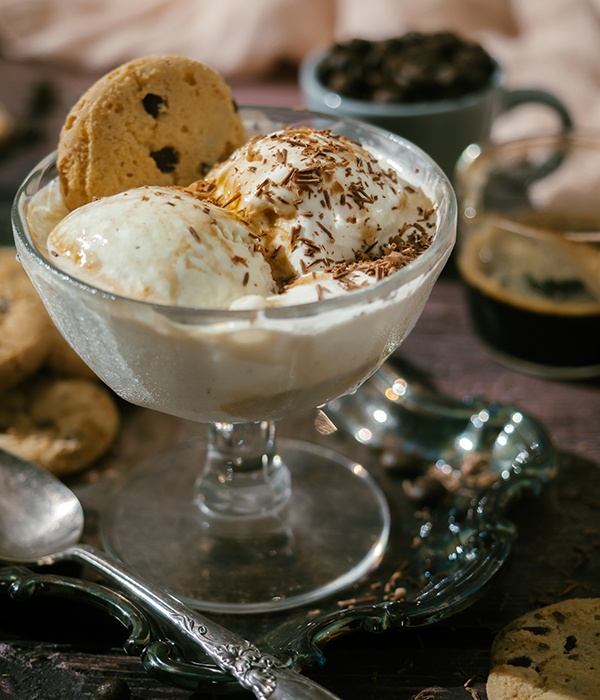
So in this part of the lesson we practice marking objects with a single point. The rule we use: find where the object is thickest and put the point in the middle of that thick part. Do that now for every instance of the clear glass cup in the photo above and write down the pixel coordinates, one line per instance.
(529, 251)
(239, 522)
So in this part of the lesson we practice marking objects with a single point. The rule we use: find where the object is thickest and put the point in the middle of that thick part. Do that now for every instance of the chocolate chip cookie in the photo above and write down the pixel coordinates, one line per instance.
(552, 653)
(157, 120)
(62, 424)
(25, 328)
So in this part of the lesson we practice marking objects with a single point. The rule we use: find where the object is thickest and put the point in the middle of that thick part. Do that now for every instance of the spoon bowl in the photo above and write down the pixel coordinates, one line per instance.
(33, 529)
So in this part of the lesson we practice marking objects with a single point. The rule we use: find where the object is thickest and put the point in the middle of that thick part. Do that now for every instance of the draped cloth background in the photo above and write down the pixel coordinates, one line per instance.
(552, 44)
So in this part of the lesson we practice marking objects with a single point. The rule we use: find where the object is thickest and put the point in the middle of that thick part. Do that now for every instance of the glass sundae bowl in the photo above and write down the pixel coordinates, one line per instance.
(237, 521)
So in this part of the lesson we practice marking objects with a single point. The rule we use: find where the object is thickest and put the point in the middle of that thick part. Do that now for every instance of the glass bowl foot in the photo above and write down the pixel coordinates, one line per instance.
(333, 531)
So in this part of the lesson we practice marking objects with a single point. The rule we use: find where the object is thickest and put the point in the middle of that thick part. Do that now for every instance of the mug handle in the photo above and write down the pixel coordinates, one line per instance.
(520, 96)
(530, 172)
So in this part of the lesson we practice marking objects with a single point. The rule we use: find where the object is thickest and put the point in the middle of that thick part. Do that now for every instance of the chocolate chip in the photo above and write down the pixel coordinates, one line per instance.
(523, 661)
(166, 159)
(154, 104)
(570, 643)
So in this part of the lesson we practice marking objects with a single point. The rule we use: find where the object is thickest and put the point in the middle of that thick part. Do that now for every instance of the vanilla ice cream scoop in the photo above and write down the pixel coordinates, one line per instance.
(316, 198)
(162, 245)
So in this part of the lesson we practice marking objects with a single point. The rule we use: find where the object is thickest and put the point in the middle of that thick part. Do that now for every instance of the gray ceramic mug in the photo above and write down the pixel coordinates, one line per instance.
(442, 128)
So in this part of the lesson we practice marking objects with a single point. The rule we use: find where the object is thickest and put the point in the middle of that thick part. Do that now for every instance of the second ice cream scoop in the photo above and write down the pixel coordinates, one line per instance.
(317, 198)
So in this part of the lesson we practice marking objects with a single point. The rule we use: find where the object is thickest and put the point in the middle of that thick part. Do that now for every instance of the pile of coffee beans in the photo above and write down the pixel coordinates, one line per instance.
(414, 67)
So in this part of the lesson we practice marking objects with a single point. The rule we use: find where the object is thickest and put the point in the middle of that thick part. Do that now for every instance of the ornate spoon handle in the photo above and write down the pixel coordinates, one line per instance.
(262, 674)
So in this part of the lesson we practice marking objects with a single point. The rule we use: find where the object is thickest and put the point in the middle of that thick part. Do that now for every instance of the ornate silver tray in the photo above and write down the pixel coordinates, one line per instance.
(449, 469)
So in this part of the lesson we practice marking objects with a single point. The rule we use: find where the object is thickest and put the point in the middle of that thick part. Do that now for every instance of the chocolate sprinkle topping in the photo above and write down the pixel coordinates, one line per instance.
(312, 189)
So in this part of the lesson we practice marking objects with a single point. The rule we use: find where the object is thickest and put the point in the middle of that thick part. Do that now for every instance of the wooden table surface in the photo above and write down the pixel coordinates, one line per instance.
(53, 649)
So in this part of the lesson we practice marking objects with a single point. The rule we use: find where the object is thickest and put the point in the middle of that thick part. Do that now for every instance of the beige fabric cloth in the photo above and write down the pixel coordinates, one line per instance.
(552, 44)
(236, 37)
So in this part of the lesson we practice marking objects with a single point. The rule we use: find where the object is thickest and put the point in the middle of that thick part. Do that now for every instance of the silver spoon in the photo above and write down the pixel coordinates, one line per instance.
(41, 521)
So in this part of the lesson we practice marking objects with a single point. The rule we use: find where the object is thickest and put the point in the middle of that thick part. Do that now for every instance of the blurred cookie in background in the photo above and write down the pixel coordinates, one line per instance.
(54, 411)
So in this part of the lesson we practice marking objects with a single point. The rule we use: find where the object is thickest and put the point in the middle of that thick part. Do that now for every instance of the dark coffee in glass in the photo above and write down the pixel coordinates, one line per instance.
(529, 253)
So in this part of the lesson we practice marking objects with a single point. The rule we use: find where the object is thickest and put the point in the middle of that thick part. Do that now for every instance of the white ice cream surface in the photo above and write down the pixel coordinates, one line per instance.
(317, 200)
(161, 245)
(292, 217)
